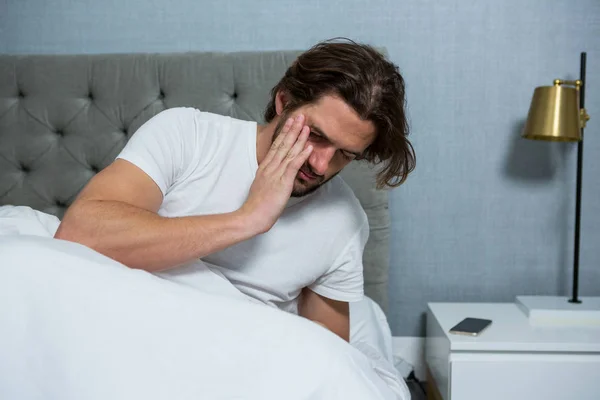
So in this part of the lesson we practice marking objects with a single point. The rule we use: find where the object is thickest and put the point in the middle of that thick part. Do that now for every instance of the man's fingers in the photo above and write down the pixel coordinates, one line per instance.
(294, 165)
(299, 145)
(289, 139)
(276, 143)
(284, 129)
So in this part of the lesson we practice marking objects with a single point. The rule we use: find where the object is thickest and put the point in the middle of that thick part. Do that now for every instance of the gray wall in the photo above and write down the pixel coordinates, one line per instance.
(486, 215)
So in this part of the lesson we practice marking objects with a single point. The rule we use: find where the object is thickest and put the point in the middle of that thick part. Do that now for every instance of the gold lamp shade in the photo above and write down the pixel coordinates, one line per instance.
(554, 113)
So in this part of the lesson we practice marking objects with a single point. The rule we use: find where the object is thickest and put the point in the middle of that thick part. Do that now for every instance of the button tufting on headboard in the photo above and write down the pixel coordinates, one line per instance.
(161, 95)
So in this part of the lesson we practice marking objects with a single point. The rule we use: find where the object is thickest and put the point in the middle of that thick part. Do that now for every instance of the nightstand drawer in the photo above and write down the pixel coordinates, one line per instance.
(524, 376)
(512, 359)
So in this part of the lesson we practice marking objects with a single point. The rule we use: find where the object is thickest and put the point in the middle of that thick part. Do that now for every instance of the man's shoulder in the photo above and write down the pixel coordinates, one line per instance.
(195, 124)
(338, 200)
(179, 112)
(199, 115)
(338, 190)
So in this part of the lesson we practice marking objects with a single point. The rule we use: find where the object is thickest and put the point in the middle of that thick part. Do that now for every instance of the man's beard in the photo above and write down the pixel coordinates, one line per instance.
(305, 190)
(305, 187)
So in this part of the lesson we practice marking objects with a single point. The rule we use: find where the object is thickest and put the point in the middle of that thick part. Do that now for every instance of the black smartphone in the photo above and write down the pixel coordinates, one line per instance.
(470, 326)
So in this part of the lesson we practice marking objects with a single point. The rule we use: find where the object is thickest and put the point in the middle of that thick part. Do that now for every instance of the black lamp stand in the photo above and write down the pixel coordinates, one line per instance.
(575, 298)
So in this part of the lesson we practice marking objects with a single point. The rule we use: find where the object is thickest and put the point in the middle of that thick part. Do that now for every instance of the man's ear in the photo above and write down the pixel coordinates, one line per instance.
(280, 102)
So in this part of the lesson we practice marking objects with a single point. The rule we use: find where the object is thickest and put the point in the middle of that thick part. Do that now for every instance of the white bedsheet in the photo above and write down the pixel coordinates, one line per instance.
(77, 325)
(369, 328)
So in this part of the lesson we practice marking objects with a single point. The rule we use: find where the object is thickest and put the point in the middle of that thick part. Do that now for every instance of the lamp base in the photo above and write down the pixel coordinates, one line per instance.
(558, 311)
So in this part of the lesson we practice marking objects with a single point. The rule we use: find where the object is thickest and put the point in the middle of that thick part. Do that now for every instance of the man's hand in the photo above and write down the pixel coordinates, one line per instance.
(274, 181)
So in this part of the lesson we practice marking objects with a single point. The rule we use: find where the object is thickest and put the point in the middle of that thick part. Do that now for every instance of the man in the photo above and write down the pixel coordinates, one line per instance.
(259, 204)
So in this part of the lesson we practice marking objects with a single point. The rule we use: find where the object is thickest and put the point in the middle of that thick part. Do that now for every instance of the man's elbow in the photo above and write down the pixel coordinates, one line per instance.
(66, 231)
(71, 229)
(71, 233)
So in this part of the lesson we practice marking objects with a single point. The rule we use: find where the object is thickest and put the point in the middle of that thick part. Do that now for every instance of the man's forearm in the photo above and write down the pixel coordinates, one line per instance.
(142, 239)
(331, 314)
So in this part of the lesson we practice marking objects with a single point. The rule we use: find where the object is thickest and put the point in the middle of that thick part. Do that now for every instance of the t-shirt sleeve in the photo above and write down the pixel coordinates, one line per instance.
(163, 147)
(344, 280)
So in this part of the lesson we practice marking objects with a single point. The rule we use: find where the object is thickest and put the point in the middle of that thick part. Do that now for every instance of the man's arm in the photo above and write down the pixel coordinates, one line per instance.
(343, 280)
(332, 314)
(116, 213)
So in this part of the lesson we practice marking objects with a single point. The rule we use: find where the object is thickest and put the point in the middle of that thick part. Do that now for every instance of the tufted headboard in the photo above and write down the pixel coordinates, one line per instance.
(63, 118)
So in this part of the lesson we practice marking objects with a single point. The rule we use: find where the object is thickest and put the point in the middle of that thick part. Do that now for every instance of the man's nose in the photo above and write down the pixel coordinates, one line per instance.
(320, 158)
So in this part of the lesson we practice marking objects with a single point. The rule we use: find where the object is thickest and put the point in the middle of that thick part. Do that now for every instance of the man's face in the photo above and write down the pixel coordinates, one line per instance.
(337, 135)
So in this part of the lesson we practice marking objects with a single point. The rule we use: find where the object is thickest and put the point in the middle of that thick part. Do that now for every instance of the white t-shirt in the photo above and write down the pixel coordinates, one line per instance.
(205, 163)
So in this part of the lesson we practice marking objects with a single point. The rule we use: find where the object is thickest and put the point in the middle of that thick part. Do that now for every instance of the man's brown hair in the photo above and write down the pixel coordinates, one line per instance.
(367, 82)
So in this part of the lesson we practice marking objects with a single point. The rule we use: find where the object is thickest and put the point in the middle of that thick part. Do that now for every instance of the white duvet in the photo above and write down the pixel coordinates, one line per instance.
(77, 325)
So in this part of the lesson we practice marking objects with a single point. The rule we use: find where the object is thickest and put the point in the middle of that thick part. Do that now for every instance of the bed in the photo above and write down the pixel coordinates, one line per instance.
(64, 118)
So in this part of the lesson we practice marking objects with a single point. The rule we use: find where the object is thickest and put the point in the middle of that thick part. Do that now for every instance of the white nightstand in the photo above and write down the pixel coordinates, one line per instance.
(511, 359)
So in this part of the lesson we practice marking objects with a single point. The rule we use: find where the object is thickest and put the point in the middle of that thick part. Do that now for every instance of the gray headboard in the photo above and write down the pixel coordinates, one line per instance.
(63, 118)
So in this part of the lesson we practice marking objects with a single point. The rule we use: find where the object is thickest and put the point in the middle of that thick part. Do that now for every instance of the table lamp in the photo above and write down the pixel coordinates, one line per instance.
(557, 113)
